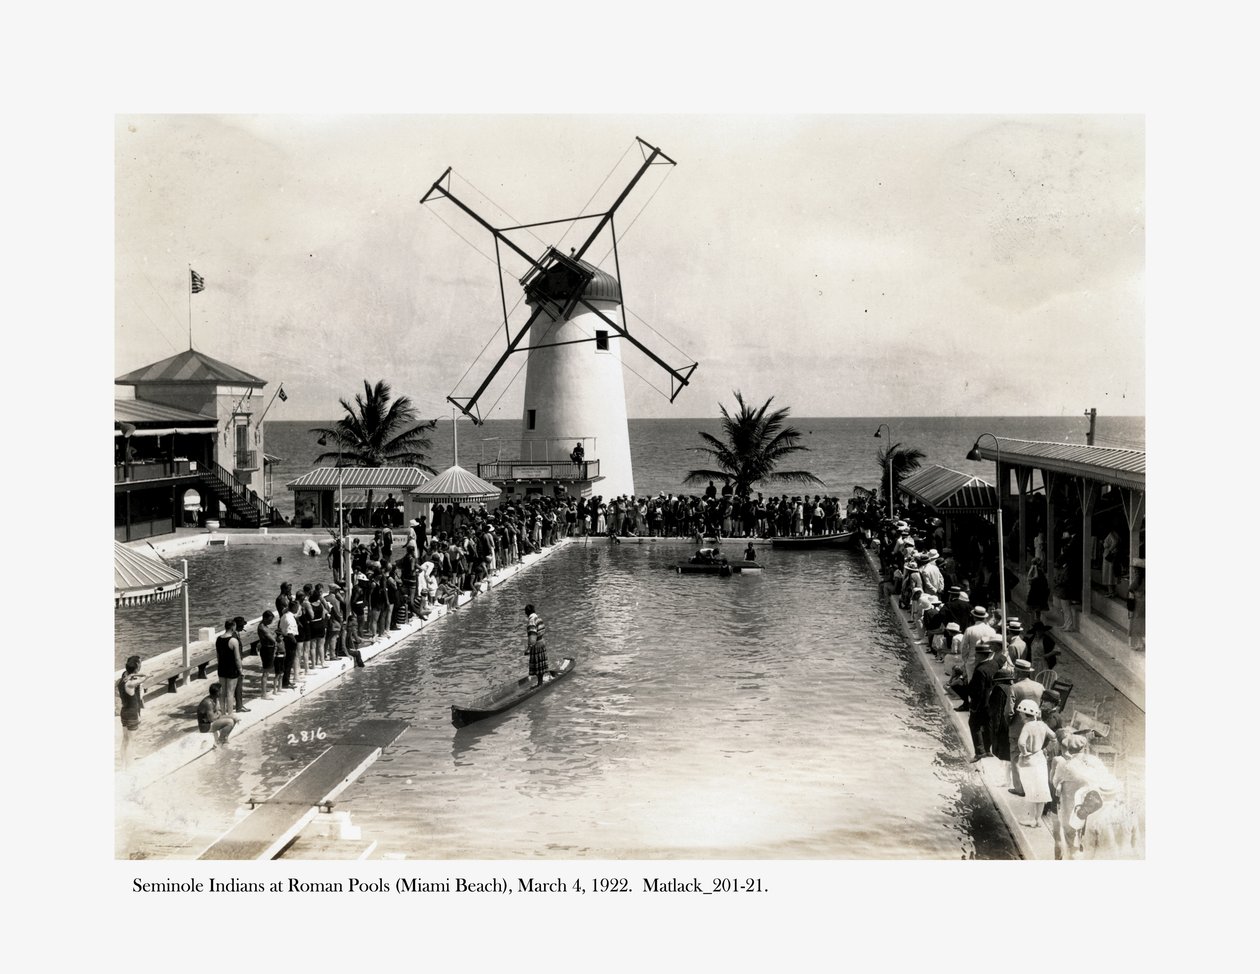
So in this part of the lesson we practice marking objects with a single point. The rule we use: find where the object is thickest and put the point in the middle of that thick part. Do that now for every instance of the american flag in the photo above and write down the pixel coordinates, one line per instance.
(281, 394)
(198, 282)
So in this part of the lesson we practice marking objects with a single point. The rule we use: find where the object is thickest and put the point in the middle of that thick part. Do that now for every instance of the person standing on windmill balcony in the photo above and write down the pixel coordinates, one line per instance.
(535, 633)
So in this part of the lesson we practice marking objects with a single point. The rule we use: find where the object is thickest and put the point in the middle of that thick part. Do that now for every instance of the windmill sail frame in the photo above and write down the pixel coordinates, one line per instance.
(555, 283)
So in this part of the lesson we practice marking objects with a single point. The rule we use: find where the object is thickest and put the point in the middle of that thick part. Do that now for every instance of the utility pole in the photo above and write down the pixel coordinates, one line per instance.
(1093, 416)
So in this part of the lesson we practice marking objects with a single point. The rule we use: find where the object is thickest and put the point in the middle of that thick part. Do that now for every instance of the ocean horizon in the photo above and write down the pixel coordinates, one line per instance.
(841, 450)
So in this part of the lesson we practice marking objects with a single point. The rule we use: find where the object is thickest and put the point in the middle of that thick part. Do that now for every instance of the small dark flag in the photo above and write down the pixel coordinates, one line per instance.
(198, 282)
(282, 395)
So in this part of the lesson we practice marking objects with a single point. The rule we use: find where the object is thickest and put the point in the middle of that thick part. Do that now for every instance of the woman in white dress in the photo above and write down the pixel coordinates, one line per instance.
(1034, 776)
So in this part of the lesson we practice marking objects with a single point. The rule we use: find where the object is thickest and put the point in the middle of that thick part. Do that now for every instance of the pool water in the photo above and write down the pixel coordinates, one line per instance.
(777, 716)
(232, 580)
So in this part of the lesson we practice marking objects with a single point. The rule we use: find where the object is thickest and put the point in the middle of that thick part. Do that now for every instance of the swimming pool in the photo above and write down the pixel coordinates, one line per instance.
(749, 717)
(231, 580)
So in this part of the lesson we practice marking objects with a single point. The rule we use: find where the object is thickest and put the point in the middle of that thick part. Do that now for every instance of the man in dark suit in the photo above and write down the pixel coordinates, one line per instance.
(977, 701)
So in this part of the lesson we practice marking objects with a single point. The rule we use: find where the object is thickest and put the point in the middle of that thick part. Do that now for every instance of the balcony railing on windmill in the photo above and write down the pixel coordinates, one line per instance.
(246, 460)
(539, 449)
(528, 470)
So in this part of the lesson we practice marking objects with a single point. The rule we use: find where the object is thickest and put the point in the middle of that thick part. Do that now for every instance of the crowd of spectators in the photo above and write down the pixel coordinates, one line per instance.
(1009, 688)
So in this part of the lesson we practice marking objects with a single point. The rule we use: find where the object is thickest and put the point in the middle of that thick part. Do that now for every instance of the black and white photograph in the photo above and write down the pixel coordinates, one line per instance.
(630, 487)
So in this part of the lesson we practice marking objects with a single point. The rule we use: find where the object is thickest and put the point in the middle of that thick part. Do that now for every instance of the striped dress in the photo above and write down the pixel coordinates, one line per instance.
(536, 630)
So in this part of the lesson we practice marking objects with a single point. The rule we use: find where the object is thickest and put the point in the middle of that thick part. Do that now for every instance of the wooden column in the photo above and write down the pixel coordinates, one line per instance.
(1023, 478)
(1052, 543)
(1134, 514)
(1089, 498)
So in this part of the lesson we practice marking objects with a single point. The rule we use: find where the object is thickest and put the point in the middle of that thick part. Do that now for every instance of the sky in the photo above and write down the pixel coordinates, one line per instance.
(900, 265)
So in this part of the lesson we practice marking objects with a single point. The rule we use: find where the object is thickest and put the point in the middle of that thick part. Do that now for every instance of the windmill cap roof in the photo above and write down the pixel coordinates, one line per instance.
(601, 287)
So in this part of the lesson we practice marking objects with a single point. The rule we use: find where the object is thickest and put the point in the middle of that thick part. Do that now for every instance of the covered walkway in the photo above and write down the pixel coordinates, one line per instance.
(1082, 509)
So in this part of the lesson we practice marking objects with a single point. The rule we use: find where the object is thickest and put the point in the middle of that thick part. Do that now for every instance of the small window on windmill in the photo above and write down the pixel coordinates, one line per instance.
(532, 415)
(601, 341)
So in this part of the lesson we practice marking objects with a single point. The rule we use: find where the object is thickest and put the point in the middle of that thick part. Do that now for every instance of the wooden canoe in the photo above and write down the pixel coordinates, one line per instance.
(507, 696)
(716, 568)
(844, 539)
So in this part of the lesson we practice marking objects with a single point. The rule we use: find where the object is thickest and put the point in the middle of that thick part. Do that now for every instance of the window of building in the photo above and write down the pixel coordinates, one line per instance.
(532, 416)
(601, 341)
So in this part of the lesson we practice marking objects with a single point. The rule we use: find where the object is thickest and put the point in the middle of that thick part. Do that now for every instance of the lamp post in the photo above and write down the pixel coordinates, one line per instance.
(975, 455)
(885, 426)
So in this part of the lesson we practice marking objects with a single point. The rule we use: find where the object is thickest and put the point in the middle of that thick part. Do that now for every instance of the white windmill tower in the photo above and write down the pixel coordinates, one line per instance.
(574, 391)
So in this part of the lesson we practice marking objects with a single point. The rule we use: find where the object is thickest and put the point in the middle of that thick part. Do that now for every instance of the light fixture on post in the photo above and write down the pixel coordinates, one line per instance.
(975, 455)
(128, 431)
(885, 426)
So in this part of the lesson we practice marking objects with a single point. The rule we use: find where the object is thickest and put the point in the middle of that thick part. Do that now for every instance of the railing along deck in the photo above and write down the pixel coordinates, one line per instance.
(529, 470)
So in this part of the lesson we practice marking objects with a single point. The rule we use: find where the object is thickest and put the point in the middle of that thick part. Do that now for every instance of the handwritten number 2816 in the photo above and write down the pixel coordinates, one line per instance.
(306, 736)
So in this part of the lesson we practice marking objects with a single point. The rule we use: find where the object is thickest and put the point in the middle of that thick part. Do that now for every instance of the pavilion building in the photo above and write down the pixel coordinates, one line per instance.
(187, 442)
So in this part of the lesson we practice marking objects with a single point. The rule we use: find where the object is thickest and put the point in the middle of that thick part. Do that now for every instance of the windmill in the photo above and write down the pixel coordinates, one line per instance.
(574, 390)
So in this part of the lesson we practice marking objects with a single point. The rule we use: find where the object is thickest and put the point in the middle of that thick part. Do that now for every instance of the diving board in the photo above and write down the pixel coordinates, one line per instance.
(277, 820)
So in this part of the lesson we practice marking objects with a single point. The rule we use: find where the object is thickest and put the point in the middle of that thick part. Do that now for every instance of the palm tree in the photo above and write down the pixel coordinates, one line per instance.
(905, 461)
(378, 430)
(755, 443)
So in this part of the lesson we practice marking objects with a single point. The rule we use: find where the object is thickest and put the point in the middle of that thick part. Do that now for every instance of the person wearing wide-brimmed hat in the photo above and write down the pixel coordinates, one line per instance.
(933, 580)
(1016, 648)
(1030, 760)
(1023, 688)
(934, 625)
(976, 701)
(974, 634)
(1074, 770)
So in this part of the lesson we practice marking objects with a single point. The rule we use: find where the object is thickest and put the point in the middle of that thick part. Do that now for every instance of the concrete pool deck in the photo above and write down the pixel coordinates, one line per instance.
(1032, 842)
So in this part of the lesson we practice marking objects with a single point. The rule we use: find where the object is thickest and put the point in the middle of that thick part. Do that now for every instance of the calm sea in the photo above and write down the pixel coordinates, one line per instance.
(842, 451)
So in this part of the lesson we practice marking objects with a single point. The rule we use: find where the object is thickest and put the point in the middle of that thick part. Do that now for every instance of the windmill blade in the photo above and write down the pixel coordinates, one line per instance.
(498, 234)
(681, 377)
(607, 216)
(468, 404)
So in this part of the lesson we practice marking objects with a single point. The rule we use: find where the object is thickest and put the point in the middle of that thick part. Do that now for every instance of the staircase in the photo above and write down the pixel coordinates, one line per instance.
(245, 508)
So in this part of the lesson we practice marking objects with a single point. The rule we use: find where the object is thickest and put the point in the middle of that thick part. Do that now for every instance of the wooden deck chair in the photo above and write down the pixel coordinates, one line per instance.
(1107, 731)
(1064, 689)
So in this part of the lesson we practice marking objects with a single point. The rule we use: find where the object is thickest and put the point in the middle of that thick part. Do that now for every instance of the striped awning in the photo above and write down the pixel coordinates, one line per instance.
(949, 491)
(375, 478)
(138, 579)
(456, 486)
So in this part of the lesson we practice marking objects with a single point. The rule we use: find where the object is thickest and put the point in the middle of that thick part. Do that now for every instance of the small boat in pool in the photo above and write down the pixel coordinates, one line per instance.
(842, 539)
(507, 696)
(722, 568)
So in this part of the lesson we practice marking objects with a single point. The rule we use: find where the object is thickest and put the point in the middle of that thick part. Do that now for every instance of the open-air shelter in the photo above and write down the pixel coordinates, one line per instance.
(1087, 489)
(315, 495)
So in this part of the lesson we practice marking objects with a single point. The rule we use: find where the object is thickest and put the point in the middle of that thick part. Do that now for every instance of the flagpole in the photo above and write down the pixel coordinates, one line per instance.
(273, 399)
(190, 307)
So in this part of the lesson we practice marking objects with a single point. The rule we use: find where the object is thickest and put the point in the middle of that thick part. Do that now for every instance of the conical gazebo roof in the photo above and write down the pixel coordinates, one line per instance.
(455, 485)
(138, 579)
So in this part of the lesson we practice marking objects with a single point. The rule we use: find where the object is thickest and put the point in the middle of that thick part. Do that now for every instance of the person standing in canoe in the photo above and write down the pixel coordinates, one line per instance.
(535, 632)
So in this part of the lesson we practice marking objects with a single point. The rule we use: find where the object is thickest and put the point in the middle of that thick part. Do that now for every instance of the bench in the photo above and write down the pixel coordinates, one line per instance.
(201, 663)
(276, 821)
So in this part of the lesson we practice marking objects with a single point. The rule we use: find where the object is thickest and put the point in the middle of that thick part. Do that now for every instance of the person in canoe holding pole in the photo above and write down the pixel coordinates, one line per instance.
(535, 632)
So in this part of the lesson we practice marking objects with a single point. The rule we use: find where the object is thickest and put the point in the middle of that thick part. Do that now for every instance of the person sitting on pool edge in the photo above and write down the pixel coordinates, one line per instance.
(212, 718)
(535, 635)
